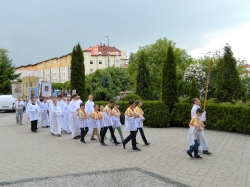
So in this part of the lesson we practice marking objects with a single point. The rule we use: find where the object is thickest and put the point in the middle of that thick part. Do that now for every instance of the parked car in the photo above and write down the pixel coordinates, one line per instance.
(6, 103)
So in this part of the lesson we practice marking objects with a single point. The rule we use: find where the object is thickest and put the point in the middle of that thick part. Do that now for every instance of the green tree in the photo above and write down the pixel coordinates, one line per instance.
(101, 94)
(77, 79)
(7, 72)
(193, 91)
(169, 80)
(143, 85)
(228, 84)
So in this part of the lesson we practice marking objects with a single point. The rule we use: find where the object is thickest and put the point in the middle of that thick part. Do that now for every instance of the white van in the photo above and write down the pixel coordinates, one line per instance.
(6, 102)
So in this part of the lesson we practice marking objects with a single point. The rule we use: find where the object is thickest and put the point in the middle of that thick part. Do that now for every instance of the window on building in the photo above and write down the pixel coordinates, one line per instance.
(100, 62)
(91, 62)
(91, 70)
(117, 61)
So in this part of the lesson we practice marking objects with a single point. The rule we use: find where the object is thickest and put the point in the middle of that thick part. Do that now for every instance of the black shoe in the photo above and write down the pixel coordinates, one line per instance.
(47, 126)
(59, 135)
(206, 152)
(136, 149)
(75, 137)
(43, 127)
(117, 143)
(52, 133)
(103, 144)
(83, 141)
(198, 156)
(93, 139)
(190, 154)
(123, 143)
(78, 136)
(34, 131)
(147, 144)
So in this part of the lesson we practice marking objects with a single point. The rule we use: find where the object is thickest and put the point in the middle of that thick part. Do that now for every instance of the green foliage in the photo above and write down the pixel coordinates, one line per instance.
(101, 94)
(143, 85)
(77, 79)
(152, 111)
(113, 79)
(169, 80)
(183, 86)
(7, 72)
(226, 117)
(57, 86)
(131, 96)
(246, 86)
(228, 86)
(194, 91)
(156, 56)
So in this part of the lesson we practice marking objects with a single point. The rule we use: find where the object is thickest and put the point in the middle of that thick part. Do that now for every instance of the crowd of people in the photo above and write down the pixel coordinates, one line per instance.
(72, 116)
(64, 115)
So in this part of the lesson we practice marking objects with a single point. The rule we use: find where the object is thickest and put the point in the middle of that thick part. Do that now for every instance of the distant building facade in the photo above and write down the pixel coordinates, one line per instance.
(57, 70)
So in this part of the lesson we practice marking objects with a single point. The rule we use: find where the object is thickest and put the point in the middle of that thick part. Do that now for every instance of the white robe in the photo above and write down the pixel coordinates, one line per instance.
(66, 118)
(116, 121)
(44, 114)
(139, 122)
(60, 117)
(33, 110)
(89, 107)
(130, 123)
(107, 120)
(203, 141)
(50, 116)
(73, 106)
(56, 113)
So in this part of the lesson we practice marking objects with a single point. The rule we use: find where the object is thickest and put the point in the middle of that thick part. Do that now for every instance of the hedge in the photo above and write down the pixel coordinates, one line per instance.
(155, 112)
(218, 117)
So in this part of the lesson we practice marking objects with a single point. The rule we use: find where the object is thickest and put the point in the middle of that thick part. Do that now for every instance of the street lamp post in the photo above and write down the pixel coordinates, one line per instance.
(108, 49)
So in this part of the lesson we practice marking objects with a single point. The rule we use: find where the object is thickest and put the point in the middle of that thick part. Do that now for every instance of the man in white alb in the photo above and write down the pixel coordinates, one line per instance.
(203, 140)
(44, 113)
(74, 107)
(89, 107)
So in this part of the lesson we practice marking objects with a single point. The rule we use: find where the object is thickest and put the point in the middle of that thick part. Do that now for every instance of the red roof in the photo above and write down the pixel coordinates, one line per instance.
(102, 50)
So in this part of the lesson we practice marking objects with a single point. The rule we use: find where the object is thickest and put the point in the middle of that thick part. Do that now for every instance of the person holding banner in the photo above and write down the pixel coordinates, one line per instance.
(44, 113)
(19, 105)
(203, 141)
(33, 116)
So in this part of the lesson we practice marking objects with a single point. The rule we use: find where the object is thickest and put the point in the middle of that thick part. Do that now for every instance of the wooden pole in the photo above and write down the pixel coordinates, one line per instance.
(208, 78)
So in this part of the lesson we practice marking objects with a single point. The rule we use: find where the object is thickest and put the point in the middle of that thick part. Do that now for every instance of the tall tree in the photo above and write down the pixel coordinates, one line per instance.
(77, 79)
(228, 84)
(143, 86)
(194, 91)
(169, 80)
(7, 72)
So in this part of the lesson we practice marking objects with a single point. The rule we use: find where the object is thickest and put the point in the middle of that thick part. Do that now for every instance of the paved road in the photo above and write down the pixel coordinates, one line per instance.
(3, 114)
(26, 155)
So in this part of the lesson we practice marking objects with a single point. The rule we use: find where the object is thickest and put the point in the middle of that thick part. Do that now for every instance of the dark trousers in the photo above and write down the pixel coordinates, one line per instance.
(104, 131)
(101, 130)
(133, 137)
(34, 125)
(84, 131)
(142, 135)
(194, 148)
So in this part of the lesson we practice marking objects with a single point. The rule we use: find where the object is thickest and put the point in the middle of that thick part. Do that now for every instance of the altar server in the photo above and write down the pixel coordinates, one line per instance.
(94, 121)
(107, 123)
(44, 112)
(56, 114)
(83, 122)
(66, 117)
(33, 114)
(203, 140)
(89, 106)
(74, 107)
(130, 125)
(139, 121)
(116, 121)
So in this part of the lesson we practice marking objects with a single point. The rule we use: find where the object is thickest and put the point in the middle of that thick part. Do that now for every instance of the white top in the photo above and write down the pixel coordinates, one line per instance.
(193, 113)
(73, 106)
(89, 106)
(33, 109)
(44, 107)
(19, 105)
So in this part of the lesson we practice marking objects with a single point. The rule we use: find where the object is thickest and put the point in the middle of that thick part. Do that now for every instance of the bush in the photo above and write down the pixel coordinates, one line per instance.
(101, 94)
(226, 117)
(131, 97)
(155, 112)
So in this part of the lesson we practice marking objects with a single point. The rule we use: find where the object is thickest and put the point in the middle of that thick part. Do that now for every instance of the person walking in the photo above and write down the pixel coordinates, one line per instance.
(33, 114)
(19, 106)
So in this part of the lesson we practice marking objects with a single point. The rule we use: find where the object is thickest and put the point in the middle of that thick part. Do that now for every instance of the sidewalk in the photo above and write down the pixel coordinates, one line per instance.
(26, 155)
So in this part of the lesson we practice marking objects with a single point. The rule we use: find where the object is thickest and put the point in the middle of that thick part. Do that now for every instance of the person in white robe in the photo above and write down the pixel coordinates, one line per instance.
(60, 103)
(89, 107)
(44, 114)
(33, 116)
(27, 107)
(107, 123)
(50, 116)
(74, 107)
(203, 141)
(130, 125)
(116, 121)
(66, 117)
(83, 122)
(56, 113)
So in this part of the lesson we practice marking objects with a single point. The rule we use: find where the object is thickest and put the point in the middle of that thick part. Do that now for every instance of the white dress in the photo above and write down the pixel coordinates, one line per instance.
(89, 107)
(60, 117)
(33, 110)
(44, 117)
(73, 106)
(56, 113)
(66, 118)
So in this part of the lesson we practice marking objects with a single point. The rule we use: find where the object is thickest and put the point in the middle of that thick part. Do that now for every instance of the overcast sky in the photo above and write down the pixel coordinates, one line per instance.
(37, 30)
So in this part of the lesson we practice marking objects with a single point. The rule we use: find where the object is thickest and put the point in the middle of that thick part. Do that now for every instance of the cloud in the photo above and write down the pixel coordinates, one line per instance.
(238, 38)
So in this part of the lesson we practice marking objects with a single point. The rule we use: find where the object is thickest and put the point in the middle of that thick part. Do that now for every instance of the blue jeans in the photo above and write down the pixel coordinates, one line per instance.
(194, 148)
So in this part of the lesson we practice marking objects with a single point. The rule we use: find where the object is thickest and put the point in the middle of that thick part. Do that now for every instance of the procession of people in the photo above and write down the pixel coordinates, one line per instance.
(72, 116)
